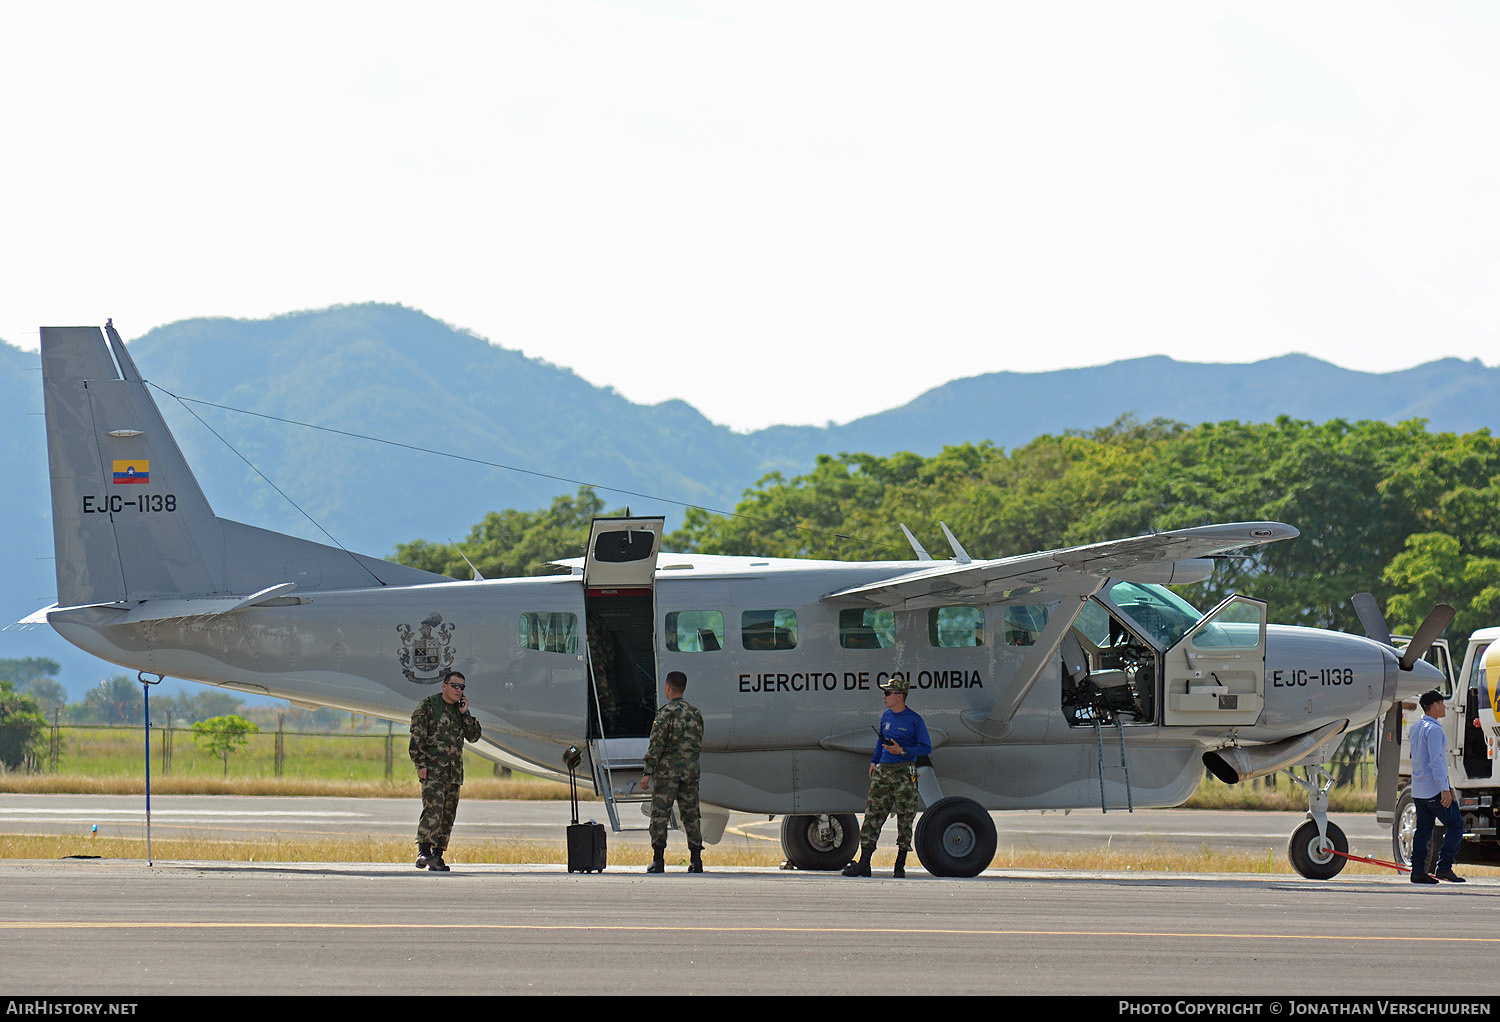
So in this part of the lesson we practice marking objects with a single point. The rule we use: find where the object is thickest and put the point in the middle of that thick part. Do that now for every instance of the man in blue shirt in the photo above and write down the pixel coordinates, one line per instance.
(1432, 795)
(893, 778)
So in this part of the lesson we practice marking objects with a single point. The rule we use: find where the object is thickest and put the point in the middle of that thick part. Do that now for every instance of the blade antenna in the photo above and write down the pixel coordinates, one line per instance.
(959, 553)
(922, 554)
(477, 574)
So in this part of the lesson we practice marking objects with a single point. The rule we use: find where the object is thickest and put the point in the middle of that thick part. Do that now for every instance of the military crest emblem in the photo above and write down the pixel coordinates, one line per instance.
(425, 654)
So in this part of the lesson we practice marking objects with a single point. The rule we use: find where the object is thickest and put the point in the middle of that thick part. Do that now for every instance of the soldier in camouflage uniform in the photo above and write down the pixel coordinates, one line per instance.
(672, 773)
(439, 728)
(602, 661)
(902, 740)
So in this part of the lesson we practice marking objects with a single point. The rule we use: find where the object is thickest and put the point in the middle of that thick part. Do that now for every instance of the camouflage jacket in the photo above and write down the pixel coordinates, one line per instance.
(438, 733)
(676, 740)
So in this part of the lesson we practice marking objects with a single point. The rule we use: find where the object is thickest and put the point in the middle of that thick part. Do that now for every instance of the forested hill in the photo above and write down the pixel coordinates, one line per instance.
(392, 372)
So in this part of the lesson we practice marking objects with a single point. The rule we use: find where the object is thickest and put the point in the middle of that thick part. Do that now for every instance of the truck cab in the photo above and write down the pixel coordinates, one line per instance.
(1471, 739)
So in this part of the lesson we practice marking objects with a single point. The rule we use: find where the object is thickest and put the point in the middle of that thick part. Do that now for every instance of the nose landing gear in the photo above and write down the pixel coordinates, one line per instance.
(1318, 849)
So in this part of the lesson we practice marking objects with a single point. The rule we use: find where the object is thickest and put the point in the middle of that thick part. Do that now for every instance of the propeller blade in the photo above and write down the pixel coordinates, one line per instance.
(1427, 633)
(1371, 618)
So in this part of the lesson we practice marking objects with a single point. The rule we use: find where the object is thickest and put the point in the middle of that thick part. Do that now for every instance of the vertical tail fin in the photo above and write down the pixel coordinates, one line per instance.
(129, 520)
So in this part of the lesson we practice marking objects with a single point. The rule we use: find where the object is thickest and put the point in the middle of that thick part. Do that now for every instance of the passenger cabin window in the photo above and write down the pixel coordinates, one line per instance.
(1023, 624)
(768, 629)
(549, 632)
(949, 627)
(695, 631)
(867, 628)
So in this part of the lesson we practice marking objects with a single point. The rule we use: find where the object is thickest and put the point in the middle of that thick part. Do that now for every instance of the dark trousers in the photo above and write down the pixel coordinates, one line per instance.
(1428, 810)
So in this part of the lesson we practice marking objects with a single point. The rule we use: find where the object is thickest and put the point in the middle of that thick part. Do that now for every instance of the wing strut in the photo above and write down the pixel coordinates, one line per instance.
(996, 723)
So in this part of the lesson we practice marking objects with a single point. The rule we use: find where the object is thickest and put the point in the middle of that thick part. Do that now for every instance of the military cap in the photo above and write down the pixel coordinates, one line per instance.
(896, 684)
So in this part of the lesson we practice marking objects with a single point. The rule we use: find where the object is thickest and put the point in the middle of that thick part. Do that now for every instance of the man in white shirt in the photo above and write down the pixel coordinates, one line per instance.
(1432, 795)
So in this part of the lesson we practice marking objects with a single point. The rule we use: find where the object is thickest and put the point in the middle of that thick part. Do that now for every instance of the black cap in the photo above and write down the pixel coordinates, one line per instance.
(1431, 696)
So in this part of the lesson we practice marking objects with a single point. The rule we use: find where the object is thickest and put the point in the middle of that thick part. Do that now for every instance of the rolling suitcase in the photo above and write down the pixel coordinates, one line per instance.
(588, 849)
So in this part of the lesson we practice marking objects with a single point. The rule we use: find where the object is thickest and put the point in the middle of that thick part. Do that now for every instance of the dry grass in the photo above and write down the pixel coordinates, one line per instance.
(728, 854)
(1213, 793)
(527, 789)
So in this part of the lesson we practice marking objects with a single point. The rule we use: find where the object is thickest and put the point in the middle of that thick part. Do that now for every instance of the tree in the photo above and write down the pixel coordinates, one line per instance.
(511, 543)
(21, 727)
(49, 694)
(186, 708)
(115, 700)
(1434, 569)
(219, 736)
(23, 672)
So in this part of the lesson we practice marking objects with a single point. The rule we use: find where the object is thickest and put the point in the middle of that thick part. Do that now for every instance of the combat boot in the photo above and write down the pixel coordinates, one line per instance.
(657, 864)
(862, 867)
(436, 863)
(900, 871)
(424, 856)
(695, 859)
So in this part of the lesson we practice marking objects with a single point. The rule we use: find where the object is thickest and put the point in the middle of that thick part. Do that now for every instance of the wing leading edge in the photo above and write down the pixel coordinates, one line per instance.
(1163, 557)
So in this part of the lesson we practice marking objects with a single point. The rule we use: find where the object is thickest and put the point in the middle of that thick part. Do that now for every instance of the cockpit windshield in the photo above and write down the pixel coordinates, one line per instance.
(1159, 613)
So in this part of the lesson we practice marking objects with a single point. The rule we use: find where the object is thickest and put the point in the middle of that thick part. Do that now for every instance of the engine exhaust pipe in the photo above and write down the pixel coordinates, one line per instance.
(1233, 764)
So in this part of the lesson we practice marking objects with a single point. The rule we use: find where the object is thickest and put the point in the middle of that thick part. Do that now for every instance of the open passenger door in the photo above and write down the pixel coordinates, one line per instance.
(619, 575)
(1216, 673)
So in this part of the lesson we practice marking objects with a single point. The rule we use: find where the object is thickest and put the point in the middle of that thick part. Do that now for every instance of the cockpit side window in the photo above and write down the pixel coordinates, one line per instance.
(1024, 624)
(1159, 613)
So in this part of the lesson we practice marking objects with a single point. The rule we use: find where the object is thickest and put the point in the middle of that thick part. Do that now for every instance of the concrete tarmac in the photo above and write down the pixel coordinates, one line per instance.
(227, 817)
(117, 929)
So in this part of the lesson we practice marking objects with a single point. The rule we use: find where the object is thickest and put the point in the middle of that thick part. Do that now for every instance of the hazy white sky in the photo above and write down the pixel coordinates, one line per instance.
(778, 211)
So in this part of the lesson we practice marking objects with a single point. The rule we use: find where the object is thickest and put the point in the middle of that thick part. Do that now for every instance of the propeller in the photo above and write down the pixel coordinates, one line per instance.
(1426, 634)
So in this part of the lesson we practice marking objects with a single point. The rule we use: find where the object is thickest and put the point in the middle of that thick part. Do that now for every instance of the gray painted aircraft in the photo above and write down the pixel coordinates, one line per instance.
(1065, 679)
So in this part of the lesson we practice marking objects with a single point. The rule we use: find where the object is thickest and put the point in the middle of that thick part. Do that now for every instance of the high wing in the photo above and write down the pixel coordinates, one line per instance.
(1164, 557)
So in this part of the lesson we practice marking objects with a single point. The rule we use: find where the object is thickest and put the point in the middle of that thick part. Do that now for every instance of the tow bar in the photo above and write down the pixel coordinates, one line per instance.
(1373, 862)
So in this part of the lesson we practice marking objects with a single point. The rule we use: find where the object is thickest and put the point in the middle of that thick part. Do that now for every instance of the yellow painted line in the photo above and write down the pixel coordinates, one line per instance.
(37, 924)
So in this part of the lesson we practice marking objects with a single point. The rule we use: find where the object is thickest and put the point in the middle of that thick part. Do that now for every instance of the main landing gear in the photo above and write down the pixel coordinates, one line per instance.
(955, 837)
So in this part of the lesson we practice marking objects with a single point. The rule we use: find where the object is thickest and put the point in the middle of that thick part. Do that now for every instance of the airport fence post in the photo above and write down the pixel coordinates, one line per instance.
(280, 742)
(389, 743)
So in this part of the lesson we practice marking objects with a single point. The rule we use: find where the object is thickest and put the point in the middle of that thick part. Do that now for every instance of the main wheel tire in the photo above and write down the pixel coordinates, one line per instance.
(1404, 831)
(807, 846)
(1312, 857)
(955, 838)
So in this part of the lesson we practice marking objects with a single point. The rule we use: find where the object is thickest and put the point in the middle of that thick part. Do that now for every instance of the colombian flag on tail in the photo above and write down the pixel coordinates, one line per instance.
(136, 471)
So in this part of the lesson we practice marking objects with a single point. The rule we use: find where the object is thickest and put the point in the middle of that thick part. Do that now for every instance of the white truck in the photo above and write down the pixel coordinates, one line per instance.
(1473, 732)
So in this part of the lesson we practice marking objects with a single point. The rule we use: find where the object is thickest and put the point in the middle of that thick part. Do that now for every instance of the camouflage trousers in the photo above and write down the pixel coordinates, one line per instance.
(893, 789)
(684, 791)
(439, 807)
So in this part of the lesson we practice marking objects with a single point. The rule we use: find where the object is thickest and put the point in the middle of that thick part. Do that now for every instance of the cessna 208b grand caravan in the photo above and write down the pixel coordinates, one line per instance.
(1057, 680)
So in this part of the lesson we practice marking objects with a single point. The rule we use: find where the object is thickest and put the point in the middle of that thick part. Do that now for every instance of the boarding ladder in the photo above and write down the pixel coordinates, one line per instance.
(617, 765)
(1122, 765)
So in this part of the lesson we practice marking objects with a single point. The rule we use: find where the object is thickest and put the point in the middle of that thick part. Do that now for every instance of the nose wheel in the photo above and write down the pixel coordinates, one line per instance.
(1317, 848)
(1315, 856)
